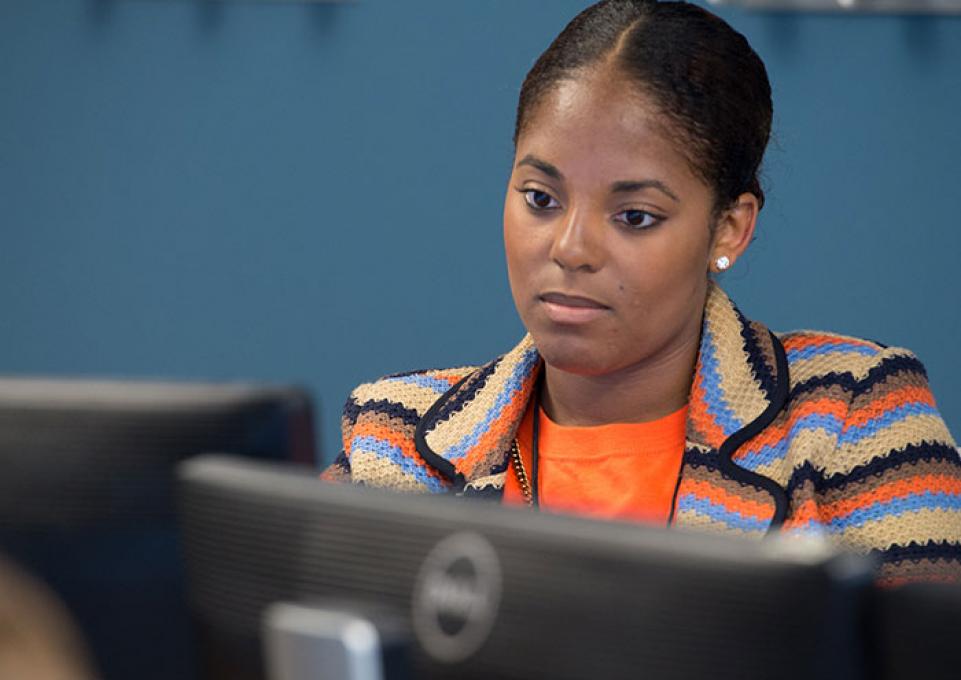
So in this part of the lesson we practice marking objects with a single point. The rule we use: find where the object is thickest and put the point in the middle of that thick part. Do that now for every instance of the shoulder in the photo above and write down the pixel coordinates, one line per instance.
(872, 462)
(382, 419)
(848, 360)
(875, 397)
(378, 429)
(412, 392)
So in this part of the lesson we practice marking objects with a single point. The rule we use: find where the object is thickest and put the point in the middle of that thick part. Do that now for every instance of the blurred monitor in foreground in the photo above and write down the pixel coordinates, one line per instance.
(86, 498)
(493, 592)
(914, 632)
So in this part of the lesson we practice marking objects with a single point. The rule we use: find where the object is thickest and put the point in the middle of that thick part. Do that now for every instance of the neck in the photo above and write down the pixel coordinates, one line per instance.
(636, 394)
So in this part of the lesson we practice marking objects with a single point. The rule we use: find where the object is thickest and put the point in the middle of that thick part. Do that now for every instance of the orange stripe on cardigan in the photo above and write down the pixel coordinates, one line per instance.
(889, 402)
(810, 512)
(720, 496)
(888, 492)
(775, 433)
(801, 342)
(403, 442)
(495, 434)
(896, 581)
(804, 514)
(703, 421)
(451, 379)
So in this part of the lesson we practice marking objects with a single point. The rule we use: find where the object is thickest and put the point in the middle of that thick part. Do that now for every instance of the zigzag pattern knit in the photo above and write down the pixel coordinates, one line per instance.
(839, 437)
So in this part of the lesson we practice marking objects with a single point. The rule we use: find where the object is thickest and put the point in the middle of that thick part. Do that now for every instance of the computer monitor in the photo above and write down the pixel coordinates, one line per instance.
(914, 632)
(86, 497)
(495, 592)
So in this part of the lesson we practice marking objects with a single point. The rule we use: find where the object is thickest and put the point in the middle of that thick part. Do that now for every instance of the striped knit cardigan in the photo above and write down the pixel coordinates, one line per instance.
(803, 431)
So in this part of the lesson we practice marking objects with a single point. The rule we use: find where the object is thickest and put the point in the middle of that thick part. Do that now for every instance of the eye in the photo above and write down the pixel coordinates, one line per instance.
(638, 219)
(539, 200)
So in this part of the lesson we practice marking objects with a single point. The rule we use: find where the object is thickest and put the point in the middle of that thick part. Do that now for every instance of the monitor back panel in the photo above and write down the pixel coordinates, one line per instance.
(86, 498)
(575, 598)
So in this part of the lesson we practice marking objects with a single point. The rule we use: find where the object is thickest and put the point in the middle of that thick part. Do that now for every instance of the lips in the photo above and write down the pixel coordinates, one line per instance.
(577, 301)
(572, 310)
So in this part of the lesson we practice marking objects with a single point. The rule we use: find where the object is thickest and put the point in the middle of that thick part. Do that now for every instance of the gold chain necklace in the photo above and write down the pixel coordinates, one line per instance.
(529, 484)
(521, 473)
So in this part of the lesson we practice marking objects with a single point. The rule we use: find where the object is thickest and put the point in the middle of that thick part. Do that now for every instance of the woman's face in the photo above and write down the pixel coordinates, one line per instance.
(607, 231)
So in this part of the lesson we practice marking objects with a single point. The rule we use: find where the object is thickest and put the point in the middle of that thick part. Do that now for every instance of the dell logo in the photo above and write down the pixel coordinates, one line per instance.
(456, 597)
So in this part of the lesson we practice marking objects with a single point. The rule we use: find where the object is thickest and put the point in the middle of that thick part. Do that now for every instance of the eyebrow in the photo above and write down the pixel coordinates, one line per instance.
(624, 186)
(543, 166)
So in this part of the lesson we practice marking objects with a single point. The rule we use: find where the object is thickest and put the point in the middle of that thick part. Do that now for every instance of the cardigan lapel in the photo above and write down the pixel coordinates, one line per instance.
(740, 384)
(468, 432)
(736, 373)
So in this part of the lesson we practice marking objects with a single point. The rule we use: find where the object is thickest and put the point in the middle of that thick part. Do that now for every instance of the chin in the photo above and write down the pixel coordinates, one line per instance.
(574, 355)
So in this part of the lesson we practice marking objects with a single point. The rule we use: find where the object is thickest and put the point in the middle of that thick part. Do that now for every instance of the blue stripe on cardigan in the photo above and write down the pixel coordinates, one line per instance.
(384, 449)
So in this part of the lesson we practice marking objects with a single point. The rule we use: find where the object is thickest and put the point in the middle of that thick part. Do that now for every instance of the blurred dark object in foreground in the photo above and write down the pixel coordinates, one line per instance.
(915, 632)
(86, 498)
(494, 592)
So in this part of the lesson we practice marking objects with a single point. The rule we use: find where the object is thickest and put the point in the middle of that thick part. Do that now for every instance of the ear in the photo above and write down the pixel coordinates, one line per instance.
(734, 231)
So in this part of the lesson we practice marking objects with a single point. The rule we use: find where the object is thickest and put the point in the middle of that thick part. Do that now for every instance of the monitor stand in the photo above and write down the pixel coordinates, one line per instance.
(323, 639)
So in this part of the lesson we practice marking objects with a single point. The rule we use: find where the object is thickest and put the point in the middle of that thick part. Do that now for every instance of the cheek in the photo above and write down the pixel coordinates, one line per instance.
(518, 262)
(521, 245)
(665, 271)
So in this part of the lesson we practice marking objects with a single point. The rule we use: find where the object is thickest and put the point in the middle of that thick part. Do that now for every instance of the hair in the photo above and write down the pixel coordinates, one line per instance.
(701, 75)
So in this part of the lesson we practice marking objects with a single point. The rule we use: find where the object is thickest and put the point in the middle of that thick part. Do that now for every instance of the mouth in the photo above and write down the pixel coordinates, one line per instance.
(576, 301)
(567, 309)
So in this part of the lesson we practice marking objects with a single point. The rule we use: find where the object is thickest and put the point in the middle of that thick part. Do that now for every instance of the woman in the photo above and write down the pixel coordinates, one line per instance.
(641, 392)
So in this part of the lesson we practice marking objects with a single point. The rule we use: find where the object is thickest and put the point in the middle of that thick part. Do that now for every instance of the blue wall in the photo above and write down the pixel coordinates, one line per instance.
(282, 191)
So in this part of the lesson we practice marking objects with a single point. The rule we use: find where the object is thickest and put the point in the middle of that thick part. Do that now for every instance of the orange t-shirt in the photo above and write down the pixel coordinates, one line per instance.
(622, 470)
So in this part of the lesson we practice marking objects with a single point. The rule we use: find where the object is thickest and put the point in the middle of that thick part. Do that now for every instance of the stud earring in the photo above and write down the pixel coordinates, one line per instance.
(722, 263)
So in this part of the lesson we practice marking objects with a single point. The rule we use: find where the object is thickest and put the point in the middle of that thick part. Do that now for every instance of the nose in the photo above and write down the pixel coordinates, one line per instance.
(576, 245)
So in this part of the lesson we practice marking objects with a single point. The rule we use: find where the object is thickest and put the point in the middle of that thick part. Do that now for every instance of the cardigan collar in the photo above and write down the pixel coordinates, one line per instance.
(739, 385)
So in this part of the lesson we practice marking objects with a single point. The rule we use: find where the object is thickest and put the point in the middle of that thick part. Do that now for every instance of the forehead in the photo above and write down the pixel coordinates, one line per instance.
(600, 126)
